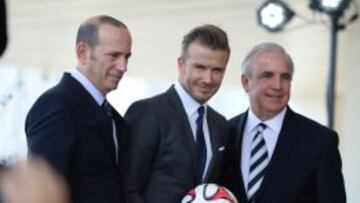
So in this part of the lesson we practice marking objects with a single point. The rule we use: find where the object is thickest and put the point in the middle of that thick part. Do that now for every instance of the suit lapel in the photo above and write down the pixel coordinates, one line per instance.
(238, 149)
(288, 136)
(215, 132)
(121, 136)
(87, 101)
(107, 135)
(175, 103)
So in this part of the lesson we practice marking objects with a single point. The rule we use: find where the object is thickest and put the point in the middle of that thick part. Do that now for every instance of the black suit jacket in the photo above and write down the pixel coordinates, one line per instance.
(162, 159)
(68, 128)
(305, 166)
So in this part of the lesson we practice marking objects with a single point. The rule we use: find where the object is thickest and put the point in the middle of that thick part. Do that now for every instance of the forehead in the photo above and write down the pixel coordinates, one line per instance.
(113, 39)
(271, 61)
(196, 50)
(108, 32)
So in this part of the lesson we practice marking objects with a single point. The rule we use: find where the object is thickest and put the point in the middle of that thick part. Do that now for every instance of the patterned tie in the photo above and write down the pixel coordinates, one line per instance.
(106, 107)
(200, 144)
(258, 162)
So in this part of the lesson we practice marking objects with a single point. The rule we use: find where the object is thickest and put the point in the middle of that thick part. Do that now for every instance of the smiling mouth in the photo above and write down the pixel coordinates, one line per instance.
(117, 77)
(277, 97)
(205, 89)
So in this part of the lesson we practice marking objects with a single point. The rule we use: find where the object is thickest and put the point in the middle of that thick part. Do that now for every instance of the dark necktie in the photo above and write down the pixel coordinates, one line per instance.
(106, 107)
(258, 162)
(200, 144)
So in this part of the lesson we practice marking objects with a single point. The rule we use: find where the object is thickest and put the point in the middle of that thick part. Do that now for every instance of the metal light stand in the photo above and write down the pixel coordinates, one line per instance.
(330, 94)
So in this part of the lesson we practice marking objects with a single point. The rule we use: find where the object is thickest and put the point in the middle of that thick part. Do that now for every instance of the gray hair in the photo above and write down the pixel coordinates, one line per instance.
(261, 49)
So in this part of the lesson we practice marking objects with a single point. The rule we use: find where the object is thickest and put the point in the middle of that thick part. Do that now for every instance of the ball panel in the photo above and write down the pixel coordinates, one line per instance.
(209, 192)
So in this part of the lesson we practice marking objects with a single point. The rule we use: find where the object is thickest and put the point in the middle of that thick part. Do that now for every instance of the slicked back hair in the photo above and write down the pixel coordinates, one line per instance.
(207, 35)
(260, 49)
(88, 31)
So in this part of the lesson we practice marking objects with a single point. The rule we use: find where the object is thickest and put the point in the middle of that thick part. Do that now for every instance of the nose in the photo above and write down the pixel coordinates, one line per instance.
(277, 83)
(121, 64)
(208, 77)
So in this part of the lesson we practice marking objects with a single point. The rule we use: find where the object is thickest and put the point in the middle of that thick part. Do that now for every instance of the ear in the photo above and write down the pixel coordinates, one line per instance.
(82, 53)
(180, 63)
(245, 82)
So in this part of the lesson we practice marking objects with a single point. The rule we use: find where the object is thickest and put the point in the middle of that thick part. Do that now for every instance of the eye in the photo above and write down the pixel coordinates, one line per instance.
(199, 67)
(219, 70)
(287, 76)
(265, 75)
(113, 56)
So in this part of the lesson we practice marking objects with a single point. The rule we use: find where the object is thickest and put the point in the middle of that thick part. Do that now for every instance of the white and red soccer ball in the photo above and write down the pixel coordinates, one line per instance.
(209, 192)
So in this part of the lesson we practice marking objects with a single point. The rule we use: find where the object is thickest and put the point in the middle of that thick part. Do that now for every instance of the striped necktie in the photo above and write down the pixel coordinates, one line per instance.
(258, 162)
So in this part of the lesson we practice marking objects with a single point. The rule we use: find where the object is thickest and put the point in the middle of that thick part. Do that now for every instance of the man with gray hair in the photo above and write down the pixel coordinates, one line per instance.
(73, 126)
(277, 155)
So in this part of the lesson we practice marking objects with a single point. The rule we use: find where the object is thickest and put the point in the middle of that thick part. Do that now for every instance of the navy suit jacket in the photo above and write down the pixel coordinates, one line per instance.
(305, 166)
(68, 128)
(162, 157)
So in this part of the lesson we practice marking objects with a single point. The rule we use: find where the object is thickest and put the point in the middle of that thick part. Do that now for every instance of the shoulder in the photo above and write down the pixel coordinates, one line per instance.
(56, 96)
(236, 121)
(235, 126)
(49, 97)
(57, 100)
(146, 108)
(147, 103)
(159, 102)
(307, 122)
(312, 128)
(216, 115)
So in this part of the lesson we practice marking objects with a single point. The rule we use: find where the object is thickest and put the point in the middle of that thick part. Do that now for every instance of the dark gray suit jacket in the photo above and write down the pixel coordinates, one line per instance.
(68, 128)
(161, 157)
(305, 166)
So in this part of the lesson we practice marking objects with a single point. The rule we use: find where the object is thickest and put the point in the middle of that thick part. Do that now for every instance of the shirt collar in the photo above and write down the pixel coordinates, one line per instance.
(88, 85)
(190, 104)
(275, 123)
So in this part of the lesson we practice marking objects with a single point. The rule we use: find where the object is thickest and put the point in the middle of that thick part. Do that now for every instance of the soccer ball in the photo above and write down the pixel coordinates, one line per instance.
(209, 192)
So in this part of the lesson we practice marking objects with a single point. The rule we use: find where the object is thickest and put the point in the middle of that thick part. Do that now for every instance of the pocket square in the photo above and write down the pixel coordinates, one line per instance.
(222, 148)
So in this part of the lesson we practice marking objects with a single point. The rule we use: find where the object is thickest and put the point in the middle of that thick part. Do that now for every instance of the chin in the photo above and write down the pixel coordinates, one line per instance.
(202, 99)
(111, 88)
(276, 110)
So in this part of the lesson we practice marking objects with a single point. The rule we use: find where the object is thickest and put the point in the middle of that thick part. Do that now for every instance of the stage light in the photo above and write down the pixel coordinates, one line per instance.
(273, 15)
(331, 7)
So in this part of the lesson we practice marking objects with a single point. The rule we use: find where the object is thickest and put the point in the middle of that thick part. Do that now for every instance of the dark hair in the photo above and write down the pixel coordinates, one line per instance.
(208, 35)
(88, 31)
(264, 48)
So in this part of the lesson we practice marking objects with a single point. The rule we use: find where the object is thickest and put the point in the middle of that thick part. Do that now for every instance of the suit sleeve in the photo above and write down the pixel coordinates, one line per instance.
(330, 183)
(143, 143)
(51, 133)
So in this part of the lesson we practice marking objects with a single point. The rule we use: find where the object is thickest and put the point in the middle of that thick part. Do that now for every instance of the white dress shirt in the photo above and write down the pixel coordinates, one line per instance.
(88, 85)
(270, 134)
(191, 106)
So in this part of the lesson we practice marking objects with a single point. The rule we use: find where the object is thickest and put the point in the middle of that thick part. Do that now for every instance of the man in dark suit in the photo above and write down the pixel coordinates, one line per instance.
(176, 141)
(68, 125)
(277, 155)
